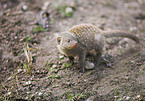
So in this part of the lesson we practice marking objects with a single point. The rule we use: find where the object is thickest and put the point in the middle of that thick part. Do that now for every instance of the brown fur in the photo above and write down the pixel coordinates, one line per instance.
(82, 38)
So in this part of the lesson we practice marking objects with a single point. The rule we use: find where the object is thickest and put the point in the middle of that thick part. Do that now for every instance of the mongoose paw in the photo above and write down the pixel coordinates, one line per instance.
(107, 62)
(82, 70)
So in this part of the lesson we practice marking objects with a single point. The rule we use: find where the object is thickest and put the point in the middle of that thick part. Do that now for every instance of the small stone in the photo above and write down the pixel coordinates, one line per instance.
(68, 10)
(20, 70)
(25, 70)
(127, 98)
(89, 65)
(40, 94)
(126, 77)
(28, 92)
(133, 28)
(116, 97)
(54, 66)
(132, 61)
(61, 56)
(138, 96)
(9, 93)
(29, 82)
(26, 97)
(25, 7)
(9, 77)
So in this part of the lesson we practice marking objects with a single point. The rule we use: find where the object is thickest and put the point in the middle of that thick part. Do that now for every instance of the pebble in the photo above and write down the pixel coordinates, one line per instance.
(61, 56)
(68, 10)
(9, 93)
(133, 28)
(25, 7)
(127, 98)
(138, 96)
(9, 77)
(20, 70)
(39, 93)
(89, 65)
(29, 82)
(54, 66)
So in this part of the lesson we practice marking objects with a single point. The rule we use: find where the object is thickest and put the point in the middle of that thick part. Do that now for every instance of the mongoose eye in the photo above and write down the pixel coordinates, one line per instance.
(68, 41)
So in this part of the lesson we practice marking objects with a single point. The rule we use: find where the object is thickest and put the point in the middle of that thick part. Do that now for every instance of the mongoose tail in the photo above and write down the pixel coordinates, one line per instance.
(118, 33)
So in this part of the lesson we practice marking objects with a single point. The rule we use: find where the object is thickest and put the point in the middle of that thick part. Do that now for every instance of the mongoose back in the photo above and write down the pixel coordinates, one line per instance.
(82, 38)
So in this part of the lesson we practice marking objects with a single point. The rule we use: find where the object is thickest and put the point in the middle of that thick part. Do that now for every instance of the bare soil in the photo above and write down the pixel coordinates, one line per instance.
(31, 67)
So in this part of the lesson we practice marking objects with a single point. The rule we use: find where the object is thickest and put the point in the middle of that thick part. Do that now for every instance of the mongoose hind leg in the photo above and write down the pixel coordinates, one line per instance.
(82, 57)
(98, 58)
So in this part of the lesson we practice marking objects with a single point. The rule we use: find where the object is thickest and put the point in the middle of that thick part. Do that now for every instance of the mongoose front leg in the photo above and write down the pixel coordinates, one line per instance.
(71, 59)
(98, 58)
(82, 57)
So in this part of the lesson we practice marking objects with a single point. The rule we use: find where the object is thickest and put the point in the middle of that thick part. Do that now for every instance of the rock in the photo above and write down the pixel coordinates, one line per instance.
(20, 70)
(89, 65)
(54, 66)
(27, 83)
(40, 93)
(127, 98)
(9, 93)
(24, 7)
(68, 10)
(61, 56)
(9, 78)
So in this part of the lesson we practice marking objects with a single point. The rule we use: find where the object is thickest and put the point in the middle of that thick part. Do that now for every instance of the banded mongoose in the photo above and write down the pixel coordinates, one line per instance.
(82, 38)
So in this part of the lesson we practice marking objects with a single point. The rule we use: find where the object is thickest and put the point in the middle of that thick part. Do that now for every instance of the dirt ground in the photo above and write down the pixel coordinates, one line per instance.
(31, 67)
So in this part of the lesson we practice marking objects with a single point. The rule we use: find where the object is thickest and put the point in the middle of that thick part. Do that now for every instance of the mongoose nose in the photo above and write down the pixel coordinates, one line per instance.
(73, 46)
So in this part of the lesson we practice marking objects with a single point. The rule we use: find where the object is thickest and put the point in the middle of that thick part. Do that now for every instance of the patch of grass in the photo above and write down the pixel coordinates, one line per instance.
(75, 97)
(121, 51)
(38, 29)
(89, 73)
(66, 65)
(53, 70)
(64, 10)
(54, 76)
(26, 39)
(28, 64)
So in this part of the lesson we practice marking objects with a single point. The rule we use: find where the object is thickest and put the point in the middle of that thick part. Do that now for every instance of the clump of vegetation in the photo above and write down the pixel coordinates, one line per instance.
(29, 58)
(38, 29)
(75, 97)
(65, 11)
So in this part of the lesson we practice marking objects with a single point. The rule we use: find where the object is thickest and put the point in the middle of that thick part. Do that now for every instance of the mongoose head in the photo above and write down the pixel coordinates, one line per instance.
(67, 41)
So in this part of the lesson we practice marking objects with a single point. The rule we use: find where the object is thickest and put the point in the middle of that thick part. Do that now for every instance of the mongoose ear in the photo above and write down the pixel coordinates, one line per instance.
(58, 40)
